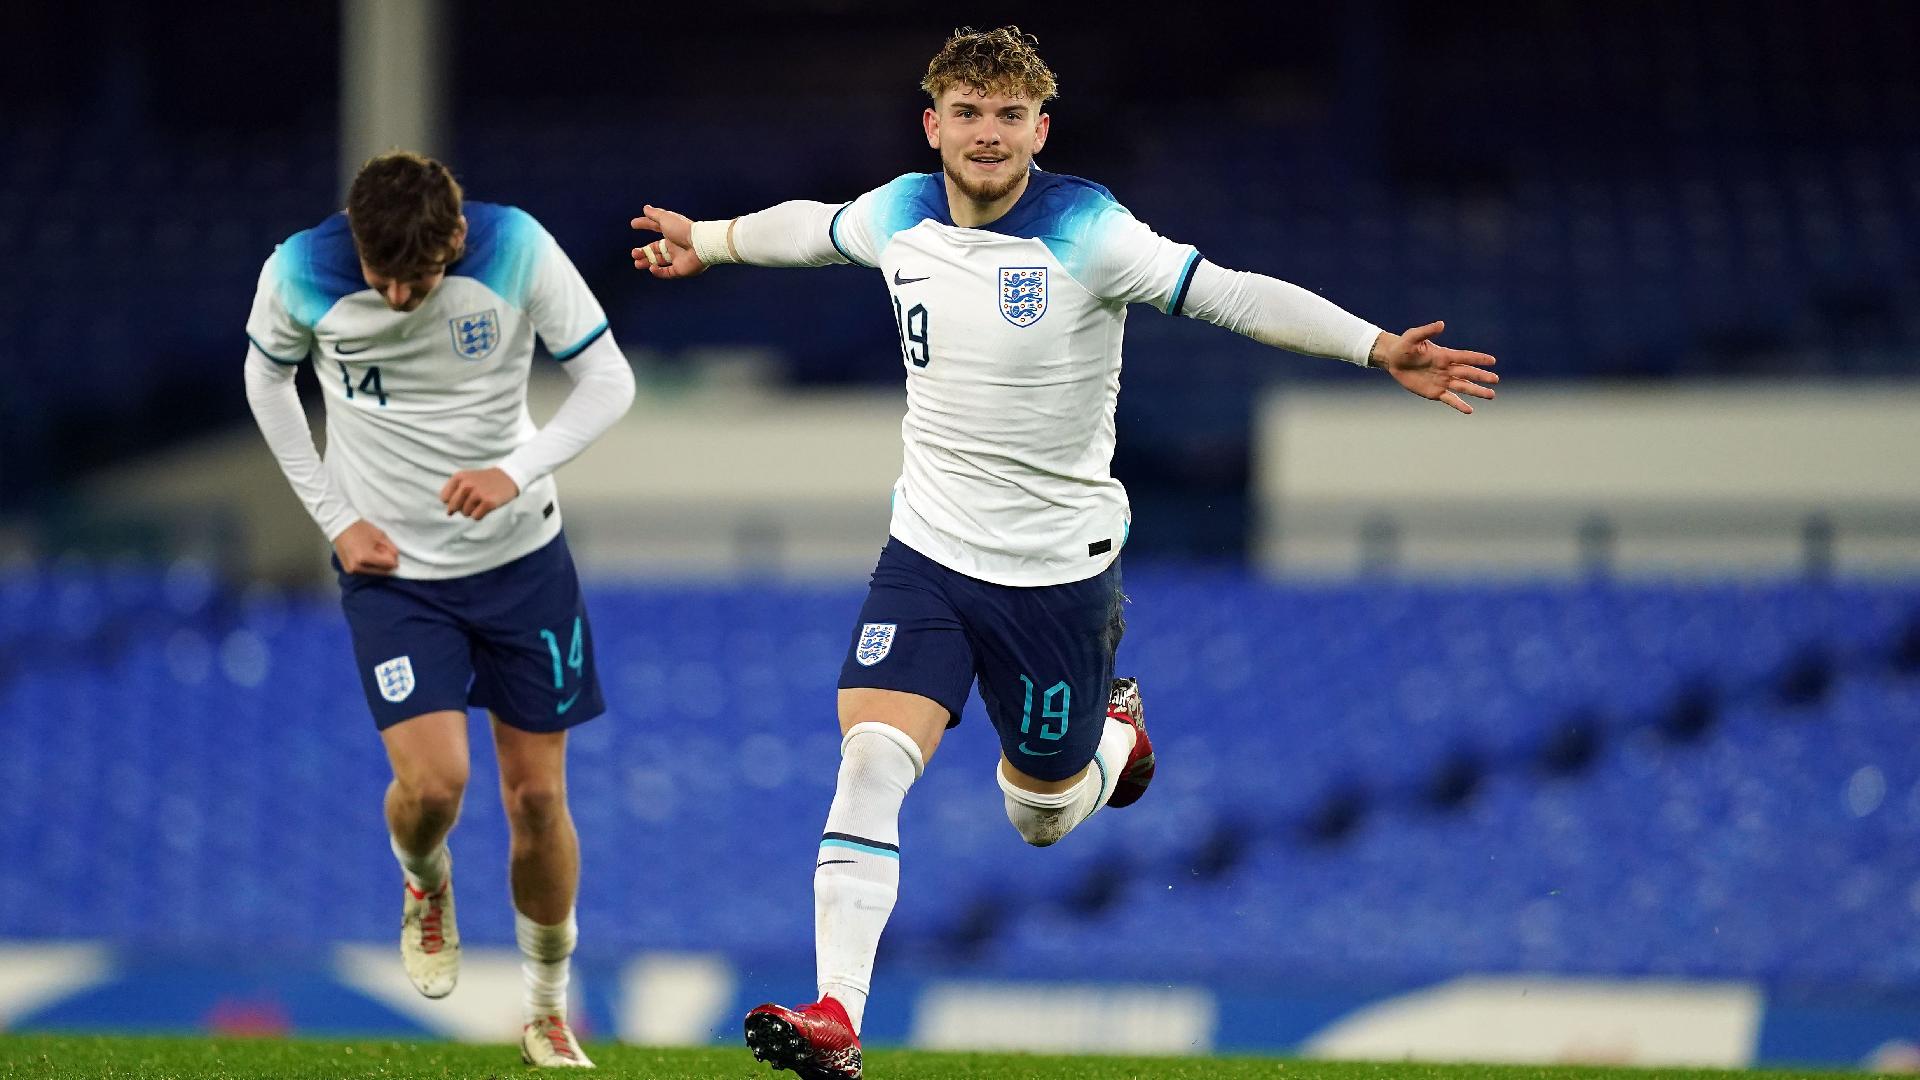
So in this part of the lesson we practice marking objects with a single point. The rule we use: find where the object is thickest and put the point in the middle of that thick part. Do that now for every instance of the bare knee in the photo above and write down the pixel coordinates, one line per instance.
(437, 795)
(921, 719)
(429, 757)
(535, 806)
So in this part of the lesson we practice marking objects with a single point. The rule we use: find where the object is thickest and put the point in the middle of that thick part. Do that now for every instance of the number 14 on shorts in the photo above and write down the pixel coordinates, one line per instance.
(576, 659)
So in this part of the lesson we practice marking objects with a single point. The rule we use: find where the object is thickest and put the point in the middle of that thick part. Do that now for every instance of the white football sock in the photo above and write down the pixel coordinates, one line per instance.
(424, 872)
(1044, 819)
(857, 876)
(547, 963)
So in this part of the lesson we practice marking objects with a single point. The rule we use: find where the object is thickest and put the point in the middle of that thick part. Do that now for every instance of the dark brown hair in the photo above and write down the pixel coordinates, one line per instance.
(404, 210)
(1003, 61)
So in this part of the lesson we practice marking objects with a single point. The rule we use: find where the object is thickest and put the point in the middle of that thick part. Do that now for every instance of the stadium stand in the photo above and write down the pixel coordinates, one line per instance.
(1704, 203)
(1360, 781)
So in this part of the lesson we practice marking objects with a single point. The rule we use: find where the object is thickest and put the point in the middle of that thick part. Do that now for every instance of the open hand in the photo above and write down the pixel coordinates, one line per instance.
(478, 492)
(364, 549)
(1434, 371)
(672, 255)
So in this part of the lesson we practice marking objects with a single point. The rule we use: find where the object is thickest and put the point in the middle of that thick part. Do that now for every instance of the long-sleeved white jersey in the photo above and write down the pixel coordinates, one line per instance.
(1010, 334)
(413, 397)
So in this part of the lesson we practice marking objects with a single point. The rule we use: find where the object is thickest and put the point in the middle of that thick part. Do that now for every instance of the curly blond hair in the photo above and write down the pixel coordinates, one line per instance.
(1003, 61)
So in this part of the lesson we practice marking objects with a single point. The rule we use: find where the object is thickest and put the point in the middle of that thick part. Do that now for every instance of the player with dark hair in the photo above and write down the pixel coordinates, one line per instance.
(419, 310)
(1009, 287)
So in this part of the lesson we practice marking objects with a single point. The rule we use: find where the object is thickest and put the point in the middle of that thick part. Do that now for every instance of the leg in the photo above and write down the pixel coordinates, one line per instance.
(543, 869)
(1070, 734)
(535, 675)
(414, 667)
(888, 737)
(429, 757)
(1043, 811)
(906, 676)
(544, 853)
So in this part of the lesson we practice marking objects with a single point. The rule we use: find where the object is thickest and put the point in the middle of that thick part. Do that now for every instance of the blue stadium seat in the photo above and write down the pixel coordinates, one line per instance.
(184, 756)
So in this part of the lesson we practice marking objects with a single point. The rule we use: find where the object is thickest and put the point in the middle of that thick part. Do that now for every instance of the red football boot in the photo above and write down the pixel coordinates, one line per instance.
(817, 1041)
(1123, 704)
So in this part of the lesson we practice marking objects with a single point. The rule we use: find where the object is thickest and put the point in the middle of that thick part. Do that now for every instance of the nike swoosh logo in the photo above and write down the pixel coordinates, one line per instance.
(832, 862)
(561, 709)
(344, 351)
(1037, 753)
(898, 280)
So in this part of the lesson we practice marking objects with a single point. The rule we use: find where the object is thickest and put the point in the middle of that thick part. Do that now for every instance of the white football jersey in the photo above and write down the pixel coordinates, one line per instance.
(1010, 334)
(413, 397)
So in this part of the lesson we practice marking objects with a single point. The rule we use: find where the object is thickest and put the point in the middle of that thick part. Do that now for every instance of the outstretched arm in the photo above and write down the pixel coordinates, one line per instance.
(1286, 316)
(794, 233)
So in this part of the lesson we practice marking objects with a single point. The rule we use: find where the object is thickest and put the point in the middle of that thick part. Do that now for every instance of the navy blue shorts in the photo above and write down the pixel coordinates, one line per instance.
(513, 640)
(1043, 655)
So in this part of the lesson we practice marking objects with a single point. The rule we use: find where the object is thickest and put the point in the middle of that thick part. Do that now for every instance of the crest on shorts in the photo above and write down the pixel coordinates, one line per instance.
(395, 678)
(1023, 294)
(876, 641)
(475, 335)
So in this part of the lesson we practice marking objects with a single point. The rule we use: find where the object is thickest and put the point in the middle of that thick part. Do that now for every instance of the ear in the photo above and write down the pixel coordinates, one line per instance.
(930, 120)
(1040, 128)
(460, 233)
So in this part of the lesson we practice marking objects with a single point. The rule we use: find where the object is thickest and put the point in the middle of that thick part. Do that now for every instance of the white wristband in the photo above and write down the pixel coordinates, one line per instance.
(710, 242)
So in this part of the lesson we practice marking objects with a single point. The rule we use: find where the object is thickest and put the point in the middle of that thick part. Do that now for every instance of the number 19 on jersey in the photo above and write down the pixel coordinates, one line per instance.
(912, 324)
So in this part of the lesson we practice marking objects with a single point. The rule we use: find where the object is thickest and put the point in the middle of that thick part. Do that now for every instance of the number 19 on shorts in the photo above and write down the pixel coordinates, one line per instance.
(1055, 704)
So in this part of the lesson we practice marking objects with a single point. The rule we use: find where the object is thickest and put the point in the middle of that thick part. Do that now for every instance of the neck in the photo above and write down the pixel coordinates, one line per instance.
(969, 213)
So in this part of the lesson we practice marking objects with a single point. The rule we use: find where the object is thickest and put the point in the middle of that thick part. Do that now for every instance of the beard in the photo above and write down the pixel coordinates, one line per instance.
(982, 191)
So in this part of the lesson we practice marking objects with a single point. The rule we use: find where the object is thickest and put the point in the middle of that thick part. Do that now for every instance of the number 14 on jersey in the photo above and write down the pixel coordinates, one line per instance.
(369, 383)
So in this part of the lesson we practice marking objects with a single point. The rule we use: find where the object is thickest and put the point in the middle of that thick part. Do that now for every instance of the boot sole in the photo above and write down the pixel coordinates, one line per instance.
(779, 1044)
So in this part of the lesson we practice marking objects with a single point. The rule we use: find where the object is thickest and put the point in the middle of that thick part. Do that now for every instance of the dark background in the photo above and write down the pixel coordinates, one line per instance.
(1587, 190)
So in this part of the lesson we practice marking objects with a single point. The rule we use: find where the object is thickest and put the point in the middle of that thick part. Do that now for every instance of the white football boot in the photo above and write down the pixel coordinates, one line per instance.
(429, 939)
(548, 1043)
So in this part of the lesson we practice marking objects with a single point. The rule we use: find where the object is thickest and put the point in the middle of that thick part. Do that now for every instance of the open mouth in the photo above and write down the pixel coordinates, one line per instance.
(988, 162)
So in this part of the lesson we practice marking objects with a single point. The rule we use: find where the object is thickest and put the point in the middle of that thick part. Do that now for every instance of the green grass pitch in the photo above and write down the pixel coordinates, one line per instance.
(149, 1058)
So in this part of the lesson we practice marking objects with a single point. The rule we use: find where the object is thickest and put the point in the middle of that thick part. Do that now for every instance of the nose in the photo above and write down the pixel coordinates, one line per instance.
(397, 294)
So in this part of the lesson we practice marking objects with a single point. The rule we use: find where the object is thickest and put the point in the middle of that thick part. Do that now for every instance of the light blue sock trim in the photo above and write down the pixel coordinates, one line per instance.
(1101, 763)
(869, 849)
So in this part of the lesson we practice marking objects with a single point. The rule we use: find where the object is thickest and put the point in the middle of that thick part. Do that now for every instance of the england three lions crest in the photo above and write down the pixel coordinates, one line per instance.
(475, 336)
(395, 678)
(876, 641)
(1023, 294)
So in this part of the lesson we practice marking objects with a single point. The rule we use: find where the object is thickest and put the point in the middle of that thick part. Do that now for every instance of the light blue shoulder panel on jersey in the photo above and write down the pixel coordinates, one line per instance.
(503, 248)
(1065, 213)
(315, 268)
(1070, 216)
(904, 202)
